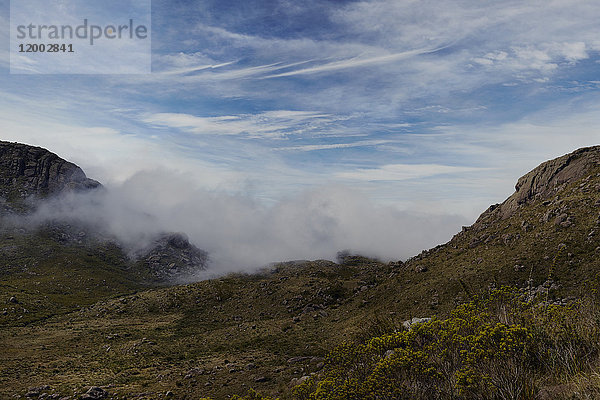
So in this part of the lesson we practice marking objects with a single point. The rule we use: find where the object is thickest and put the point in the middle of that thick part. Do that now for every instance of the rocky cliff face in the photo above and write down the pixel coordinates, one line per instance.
(27, 170)
(546, 180)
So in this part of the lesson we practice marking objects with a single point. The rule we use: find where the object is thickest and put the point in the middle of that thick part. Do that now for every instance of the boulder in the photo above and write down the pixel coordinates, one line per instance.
(408, 324)
(95, 393)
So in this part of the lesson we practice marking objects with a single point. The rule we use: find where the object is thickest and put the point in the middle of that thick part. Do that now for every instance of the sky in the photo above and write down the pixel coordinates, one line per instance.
(424, 109)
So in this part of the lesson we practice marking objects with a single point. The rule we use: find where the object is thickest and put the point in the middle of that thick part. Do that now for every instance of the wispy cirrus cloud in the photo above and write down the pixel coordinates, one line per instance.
(355, 62)
(333, 146)
(401, 172)
(272, 124)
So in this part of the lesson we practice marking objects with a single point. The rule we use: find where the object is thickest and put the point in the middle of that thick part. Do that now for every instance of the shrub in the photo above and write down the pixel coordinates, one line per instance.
(494, 347)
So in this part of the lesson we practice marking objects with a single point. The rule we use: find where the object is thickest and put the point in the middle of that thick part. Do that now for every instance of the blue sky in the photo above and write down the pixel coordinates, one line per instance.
(430, 106)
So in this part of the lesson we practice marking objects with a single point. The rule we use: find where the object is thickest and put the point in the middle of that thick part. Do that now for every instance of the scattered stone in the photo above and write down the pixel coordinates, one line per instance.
(37, 391)
(420, 268)
(474, 242)
(95, 393)
(261, 379)
(560, 219)
(526, 226)
(298, 359)
(13, 300)
(298, 381)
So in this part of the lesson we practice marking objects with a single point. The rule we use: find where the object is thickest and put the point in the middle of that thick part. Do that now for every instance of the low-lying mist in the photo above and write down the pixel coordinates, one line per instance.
(241, 233)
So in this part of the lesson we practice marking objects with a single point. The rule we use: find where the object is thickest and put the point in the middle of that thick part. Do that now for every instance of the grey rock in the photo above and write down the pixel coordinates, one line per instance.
(420, 268)
(408, 324)
(172, 257)
(543, 182)
(37, 391)
(95, 393)
(298, 359)
(298, 381)
(35, 171)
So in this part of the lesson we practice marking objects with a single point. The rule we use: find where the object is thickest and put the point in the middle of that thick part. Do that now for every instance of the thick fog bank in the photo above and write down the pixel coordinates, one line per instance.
(241, 233)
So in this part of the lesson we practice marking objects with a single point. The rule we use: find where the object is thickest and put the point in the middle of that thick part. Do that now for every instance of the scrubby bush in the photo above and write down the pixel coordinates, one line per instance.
(252, 395)
(494, 347)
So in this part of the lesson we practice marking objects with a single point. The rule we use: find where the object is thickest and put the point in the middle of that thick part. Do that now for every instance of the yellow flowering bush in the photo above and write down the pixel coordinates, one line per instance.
(494, 347)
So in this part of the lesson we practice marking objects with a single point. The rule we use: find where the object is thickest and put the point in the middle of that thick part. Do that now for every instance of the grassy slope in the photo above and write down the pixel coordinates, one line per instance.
(219, 337)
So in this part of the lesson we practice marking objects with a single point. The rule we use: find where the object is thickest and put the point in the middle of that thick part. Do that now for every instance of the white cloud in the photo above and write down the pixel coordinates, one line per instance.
(105, 153)
(540, 60)
(400, 172)
(273, 124)
(355, 63)
(314, 147)
(242, 234)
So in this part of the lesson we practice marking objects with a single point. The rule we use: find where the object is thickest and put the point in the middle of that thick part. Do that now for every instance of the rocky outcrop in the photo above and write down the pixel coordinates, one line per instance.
(546, 180)
(27, 170)
(171, 257)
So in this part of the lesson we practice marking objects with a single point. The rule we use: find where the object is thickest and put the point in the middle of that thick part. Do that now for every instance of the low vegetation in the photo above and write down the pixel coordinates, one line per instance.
(494, 347)
(497, 346)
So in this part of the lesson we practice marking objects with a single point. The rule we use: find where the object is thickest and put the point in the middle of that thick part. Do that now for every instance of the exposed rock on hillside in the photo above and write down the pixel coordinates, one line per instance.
(547, 179)
(173, 257)
(27, 170)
